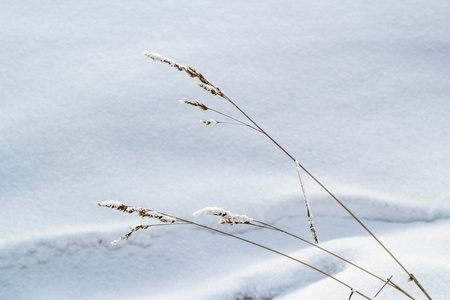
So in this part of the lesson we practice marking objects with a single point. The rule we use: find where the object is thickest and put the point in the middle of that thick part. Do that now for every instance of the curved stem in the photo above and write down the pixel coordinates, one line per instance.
(268, 226)
(269, 249)
(318, 182)
(333, 196)
(216, 91)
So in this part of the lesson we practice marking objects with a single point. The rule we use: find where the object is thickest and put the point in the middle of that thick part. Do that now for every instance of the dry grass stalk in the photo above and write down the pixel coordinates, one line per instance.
(351, 294)
(239, 219)
(389, 279)
(205, 84)
(226, 215)
(308, 208)
(208, 86)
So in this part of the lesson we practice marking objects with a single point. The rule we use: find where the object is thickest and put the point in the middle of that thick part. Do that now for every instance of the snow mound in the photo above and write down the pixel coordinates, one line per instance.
(365, 205)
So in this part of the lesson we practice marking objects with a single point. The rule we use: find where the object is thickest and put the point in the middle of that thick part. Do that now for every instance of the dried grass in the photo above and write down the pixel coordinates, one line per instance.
(228, 218)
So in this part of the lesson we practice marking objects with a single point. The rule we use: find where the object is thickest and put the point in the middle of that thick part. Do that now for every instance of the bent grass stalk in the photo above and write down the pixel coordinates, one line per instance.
(230, 219)
(144, 212)
(216, 91)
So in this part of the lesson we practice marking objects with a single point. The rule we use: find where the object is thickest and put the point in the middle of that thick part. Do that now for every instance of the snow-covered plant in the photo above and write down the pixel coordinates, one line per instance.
(143, 212)
(205, 84)
(227, 218)
(216, 91)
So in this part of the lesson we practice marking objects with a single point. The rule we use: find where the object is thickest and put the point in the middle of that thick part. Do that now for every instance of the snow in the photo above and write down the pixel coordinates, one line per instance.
(227, 217)
(358, 92)
(112, 204)
(215, 211)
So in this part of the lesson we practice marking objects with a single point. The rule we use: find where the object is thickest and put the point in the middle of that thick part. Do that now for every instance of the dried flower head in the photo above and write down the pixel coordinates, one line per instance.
(133, 229)
(143, 212)
(236, 219)
(227, 217)
(190, 71)
(205, 84)
(214, 211)
(211, 121)
(158, 57)
(201, 105)
(210, 88)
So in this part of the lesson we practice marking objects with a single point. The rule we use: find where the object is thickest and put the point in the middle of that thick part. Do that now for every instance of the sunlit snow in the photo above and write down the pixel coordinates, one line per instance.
(357, 92)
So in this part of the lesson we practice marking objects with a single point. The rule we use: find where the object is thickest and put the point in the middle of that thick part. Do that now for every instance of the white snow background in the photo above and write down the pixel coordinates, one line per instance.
(357, 91)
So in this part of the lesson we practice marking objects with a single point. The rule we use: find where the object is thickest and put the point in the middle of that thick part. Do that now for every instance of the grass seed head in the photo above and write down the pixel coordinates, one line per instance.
(211, 121)
(198, 104)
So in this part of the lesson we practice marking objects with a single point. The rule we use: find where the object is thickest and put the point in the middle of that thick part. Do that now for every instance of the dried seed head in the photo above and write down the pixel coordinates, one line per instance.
(211, 121)
(158, 57)
(205, 84)
(114, 204)
(138, 227)
(143, 212)
(111, 203)
(155, 56)
(133, 229)
(191, 72)
(227, 217)
(201, 105)
(236, 219)
(210, 88)
(123, 237)
(215, 211)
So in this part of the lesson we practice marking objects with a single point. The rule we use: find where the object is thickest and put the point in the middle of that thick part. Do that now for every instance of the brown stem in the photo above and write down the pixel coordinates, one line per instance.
(268, 226)
(269, 249)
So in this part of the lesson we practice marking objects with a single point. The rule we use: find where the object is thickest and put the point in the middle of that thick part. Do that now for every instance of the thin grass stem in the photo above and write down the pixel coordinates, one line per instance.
(204, 83)
(271, 227)
(389, 279)
(124, 208)
(411, 276)
(271, 250)
(326, 190)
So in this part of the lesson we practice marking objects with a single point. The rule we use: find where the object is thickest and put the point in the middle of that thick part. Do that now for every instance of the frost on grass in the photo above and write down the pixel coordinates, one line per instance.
(203, 83)
(111, 203)
(211, 121)
(236, 219)
(215, 211)
(227, 217)
(143, 212)
(308, 208)
(159, 57)
(208, 87)
(201, 105)
(133, 229)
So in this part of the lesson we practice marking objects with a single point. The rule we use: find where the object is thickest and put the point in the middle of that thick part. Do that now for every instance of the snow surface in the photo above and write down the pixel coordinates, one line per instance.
(358, 92)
